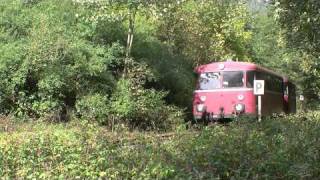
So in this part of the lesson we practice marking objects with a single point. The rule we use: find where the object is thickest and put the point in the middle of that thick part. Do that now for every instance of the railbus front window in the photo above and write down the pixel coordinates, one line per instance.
(233, 79)
(209, 80)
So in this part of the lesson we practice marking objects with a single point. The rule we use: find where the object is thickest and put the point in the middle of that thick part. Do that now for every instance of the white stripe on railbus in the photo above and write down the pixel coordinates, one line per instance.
(221, 90)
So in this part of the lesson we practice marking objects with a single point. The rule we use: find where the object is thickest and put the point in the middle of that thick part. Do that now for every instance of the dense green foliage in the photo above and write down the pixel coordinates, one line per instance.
(62, 59)
(208, 31)
(114, 67)
(280, 148)
(300, 22)
(96, 59)
(59, 57)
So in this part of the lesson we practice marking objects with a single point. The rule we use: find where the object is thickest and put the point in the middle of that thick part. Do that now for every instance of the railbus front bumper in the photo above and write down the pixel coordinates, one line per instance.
(211, 117)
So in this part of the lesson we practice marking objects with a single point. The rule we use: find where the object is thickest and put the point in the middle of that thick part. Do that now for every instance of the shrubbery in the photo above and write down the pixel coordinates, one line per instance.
(62, 59)
(44, 151)
(93, 107)
(143, 108)
(279, 148)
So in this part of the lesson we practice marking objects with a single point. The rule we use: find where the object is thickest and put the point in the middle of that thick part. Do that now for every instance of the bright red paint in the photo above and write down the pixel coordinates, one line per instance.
(221, 102)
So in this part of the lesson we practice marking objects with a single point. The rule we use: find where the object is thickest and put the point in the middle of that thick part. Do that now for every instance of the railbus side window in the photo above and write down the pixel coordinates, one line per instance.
(250, 79)
(272, 82)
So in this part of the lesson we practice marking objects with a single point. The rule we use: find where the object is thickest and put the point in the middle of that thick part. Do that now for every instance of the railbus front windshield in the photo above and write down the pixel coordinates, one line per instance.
(217, 80)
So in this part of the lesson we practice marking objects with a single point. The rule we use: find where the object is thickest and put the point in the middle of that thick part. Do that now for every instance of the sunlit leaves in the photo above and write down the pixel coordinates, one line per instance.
(300, 20)
(52, 63)
(208, 30)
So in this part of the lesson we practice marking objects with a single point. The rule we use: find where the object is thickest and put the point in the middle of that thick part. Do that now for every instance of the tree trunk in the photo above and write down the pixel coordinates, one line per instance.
(129, 40)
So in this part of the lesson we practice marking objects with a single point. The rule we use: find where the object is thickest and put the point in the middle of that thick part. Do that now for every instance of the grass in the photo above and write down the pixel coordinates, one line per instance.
(277, 148)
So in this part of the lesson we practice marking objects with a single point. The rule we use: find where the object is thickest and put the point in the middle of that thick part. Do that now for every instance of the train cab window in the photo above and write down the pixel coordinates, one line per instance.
(209, 80)
(250, 79)
(232, 79)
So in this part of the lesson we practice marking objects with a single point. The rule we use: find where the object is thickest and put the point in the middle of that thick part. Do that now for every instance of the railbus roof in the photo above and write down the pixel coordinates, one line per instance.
(232, 66)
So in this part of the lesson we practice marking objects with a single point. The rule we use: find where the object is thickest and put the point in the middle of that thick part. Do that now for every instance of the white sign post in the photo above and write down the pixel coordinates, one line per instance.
(258, 91)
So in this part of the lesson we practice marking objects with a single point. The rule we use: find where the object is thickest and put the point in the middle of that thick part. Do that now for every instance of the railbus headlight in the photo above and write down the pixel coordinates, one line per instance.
(203, 98)
(239, 108)
(240, 97)
(200, 107)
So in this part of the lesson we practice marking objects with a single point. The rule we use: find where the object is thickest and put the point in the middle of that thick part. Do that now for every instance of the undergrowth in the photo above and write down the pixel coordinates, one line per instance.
(277, 148)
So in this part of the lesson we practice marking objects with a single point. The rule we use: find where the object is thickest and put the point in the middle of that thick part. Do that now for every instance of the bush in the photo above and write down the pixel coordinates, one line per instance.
(276, 148)
(65, 59)
(142, 108)
(280, 148)
(152, 113)
(93, 108)
(44, 151)
(47, 62)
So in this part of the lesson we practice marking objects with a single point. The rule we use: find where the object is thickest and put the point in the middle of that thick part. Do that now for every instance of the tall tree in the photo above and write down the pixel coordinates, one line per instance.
(206, 30)
(301, 23)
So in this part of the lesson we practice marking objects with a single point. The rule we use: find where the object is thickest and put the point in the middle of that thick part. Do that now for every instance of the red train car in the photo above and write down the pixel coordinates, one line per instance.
(225, 90)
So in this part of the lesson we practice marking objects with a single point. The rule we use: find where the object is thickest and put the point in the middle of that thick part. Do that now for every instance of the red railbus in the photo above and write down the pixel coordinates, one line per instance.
(225, 90)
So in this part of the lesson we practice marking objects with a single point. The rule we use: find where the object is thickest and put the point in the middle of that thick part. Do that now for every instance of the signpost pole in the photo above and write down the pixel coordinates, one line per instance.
(259, 108)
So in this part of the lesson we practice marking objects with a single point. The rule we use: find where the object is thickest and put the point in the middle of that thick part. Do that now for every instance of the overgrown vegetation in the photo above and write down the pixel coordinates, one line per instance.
(300, 22)
(66, 58)
(108, 61)
(279, 148)
(86, 87)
